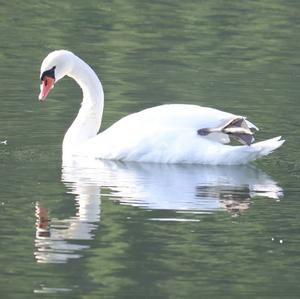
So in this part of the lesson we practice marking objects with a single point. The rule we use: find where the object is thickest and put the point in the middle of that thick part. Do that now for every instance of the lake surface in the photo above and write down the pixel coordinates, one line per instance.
(129, 230)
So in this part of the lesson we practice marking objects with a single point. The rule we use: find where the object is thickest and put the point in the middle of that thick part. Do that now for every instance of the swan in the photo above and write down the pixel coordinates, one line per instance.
(173, 133)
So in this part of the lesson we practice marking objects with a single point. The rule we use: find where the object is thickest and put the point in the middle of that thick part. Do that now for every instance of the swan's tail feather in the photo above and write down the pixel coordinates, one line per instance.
(267, 146)
(245, 154)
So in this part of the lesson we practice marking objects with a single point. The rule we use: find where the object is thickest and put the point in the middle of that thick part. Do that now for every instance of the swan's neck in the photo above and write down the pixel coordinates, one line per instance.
(88, 121)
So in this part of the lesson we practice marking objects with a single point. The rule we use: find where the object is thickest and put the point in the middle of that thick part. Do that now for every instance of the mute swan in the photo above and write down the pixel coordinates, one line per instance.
(176, 133)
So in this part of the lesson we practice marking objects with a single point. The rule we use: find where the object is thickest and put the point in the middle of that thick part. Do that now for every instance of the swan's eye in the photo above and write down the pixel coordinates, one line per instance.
(49, 73)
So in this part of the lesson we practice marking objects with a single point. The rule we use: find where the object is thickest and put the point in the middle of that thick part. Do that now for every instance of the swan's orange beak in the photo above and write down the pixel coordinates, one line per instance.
(46, 86)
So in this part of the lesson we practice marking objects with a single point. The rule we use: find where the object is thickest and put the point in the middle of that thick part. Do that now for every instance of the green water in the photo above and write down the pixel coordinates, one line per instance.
(127, 230)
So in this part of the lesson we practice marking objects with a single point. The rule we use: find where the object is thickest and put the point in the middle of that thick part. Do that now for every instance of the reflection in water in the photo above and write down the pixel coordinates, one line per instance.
(53, 236)
(183, 188)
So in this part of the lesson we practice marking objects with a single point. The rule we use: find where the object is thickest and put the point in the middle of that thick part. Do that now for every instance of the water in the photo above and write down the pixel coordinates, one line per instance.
(128, 230)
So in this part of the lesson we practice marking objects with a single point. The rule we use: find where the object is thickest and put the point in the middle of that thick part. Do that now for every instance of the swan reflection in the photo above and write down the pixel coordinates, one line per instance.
(182, 188)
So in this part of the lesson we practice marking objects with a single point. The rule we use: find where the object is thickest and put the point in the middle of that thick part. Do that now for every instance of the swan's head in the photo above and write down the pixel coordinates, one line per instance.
(54, 67)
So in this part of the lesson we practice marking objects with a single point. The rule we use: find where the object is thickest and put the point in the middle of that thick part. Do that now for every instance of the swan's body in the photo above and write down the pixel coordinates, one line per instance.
(165, 134)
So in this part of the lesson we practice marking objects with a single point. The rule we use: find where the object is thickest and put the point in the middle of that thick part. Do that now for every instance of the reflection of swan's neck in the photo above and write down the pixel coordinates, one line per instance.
(88, 121)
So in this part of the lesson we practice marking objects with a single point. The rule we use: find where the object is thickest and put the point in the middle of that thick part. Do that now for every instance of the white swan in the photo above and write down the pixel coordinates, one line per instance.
(164, 134)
